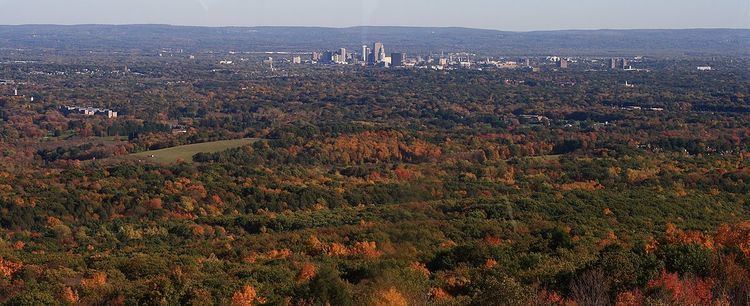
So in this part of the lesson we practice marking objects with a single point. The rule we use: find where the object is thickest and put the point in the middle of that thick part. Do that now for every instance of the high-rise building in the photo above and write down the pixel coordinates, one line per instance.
(613, 63)
(563, 63)
(397, 59)
(328, 57)
(625, 64)
(378, 52)
(365, 52)
(296, 60)
(342, 55)
(315, 57)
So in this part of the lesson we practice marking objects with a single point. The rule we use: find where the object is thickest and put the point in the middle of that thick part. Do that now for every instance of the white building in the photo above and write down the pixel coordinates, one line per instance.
(89, 111)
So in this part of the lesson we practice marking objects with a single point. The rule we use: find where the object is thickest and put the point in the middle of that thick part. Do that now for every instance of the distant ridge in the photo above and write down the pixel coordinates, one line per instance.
(150, 38)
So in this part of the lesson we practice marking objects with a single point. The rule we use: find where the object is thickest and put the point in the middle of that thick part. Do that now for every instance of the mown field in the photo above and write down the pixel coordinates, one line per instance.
(186, 152)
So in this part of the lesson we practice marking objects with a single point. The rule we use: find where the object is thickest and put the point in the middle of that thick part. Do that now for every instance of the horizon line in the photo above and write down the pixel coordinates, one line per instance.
(364, 26)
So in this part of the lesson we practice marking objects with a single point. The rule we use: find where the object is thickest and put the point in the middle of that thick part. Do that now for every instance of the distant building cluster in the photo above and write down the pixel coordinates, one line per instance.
(89, 111)
(619, 63)
(377, 55)
(368, 56)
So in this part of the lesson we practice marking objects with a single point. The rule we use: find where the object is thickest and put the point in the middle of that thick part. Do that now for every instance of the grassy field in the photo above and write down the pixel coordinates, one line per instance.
(186, 152)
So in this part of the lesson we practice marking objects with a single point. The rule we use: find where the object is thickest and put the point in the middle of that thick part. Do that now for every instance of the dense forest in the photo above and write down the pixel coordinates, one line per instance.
(374, 186)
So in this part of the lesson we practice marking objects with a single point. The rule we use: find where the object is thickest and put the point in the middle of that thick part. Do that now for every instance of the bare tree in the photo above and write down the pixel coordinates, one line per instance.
(591, 289)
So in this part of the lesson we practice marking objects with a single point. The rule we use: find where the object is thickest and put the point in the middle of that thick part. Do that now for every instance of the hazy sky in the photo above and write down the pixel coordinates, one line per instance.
(492, 14)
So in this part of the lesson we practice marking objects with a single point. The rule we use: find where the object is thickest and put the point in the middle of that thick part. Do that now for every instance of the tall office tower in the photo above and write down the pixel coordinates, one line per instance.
(397, 59)
(315, 57)
(613, 63)
(365, 52)
(342, 55)
(378, 52)
(527, 62)
(563, 63)
(328, 57)
(625, 64)
(371, 60)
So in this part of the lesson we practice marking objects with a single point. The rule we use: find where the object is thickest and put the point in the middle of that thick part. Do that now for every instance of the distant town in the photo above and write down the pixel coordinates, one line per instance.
(375, 55)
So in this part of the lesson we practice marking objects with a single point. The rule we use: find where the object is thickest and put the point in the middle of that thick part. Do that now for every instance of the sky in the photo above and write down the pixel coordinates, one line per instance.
(511, 15)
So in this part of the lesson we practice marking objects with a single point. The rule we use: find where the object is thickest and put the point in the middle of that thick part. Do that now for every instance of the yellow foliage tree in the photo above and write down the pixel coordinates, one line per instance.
(390, 297)
(307, 272)
(247, 296)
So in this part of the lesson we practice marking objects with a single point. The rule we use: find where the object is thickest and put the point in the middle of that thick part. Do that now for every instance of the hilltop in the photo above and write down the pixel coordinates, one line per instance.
(149, 38)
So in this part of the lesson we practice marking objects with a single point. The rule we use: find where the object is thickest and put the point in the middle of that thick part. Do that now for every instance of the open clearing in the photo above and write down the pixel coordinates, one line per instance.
(186, 152)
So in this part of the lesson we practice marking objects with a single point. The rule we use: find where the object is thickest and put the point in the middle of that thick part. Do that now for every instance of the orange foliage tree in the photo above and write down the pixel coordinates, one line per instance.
(688, 291)
(247, 296)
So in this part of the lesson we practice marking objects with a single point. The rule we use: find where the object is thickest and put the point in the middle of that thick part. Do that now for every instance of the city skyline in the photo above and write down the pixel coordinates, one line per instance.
(528, 15)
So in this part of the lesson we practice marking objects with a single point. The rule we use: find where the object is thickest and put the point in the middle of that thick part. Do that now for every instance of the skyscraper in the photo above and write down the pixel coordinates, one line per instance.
(365, 52)
(342, 55)
(378, 52)
(328, 57)
(563, 63)
(397, 59)
(613, 63)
